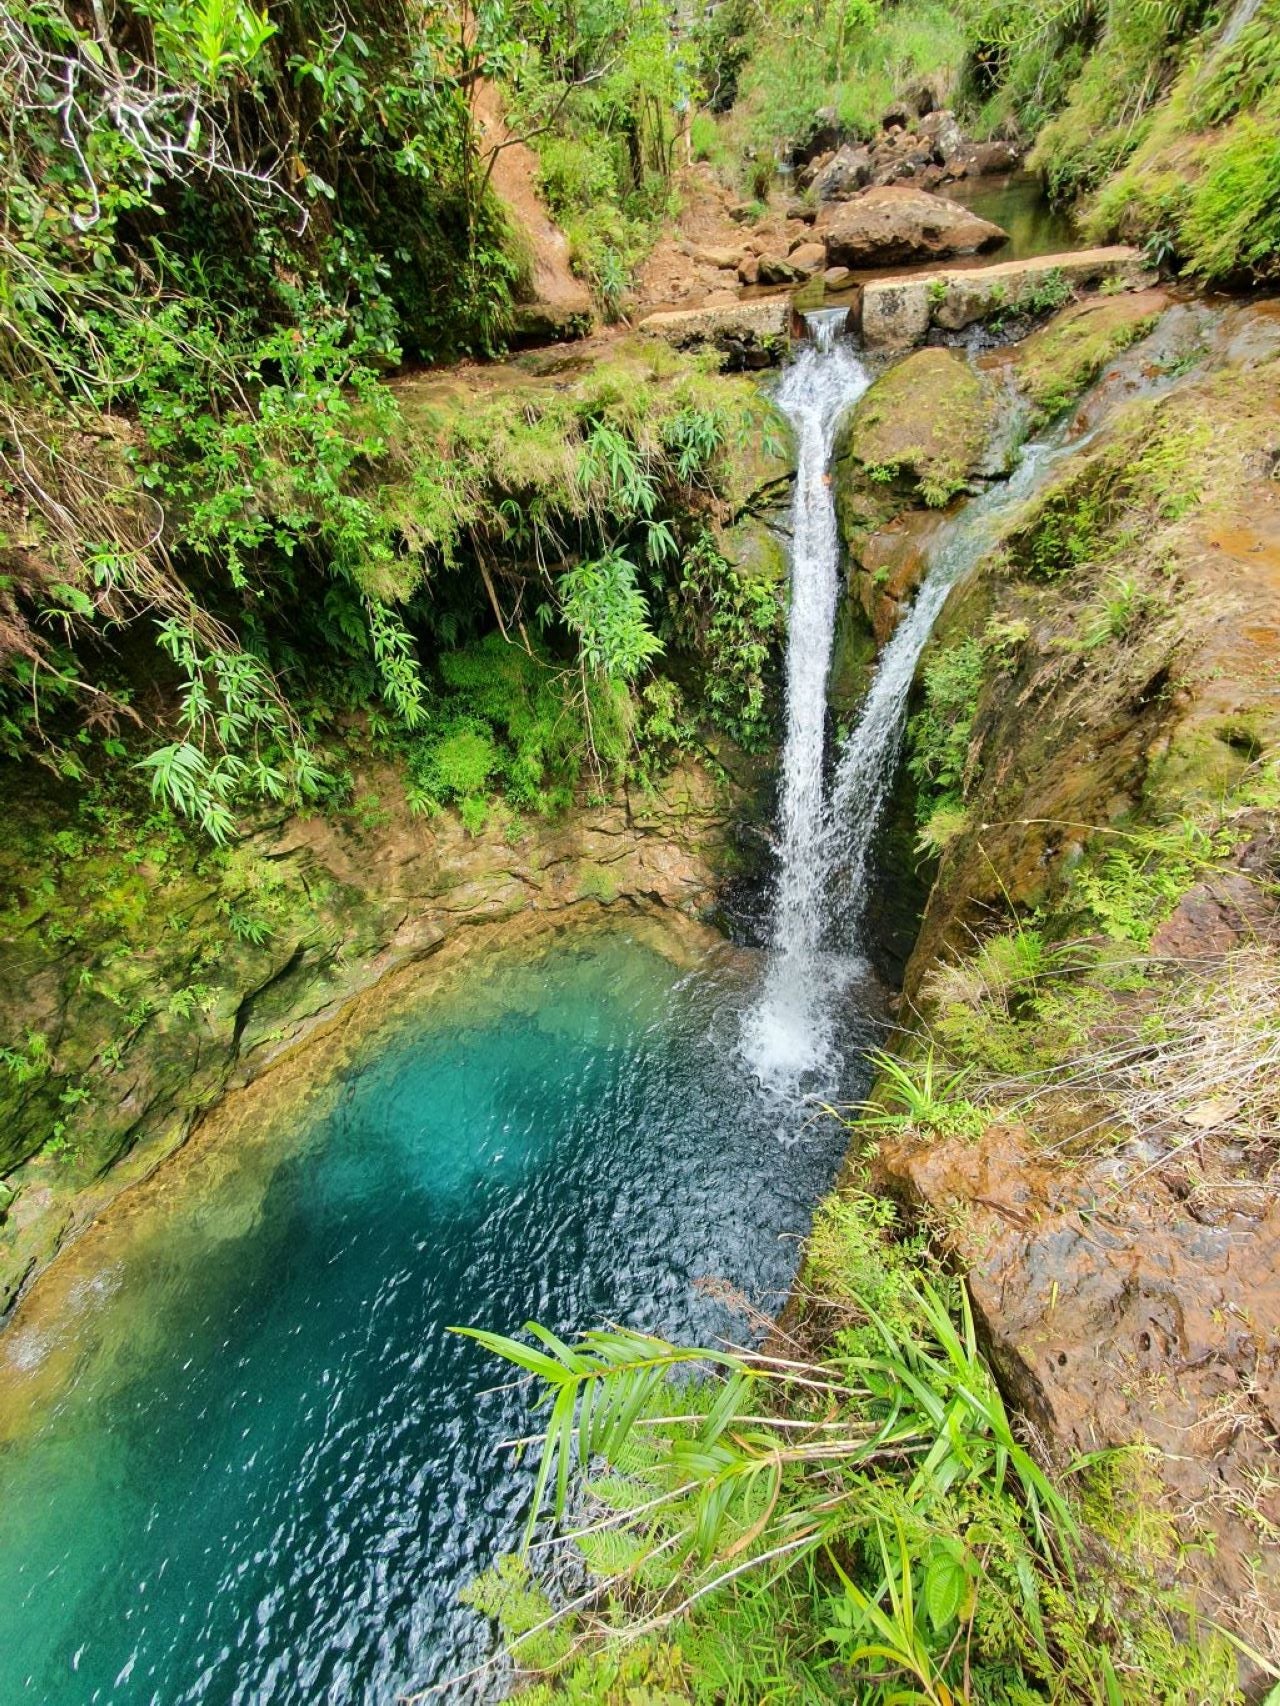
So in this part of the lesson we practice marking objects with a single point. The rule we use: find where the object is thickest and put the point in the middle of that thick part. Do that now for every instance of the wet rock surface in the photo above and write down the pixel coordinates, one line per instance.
(1116, 1317)
(916, 438)
(1119, 1225)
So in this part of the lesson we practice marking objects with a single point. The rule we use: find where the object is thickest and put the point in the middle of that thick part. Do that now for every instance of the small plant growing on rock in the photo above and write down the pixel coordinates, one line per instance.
(918, 1100)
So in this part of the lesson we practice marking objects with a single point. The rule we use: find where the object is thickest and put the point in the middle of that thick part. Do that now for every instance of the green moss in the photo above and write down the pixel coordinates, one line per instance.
(1232, 223)
(1055, 364)
(1203, 182)
(938, 738)
(853, 656)
(1153, 470)
(923, 426)
(597, 882)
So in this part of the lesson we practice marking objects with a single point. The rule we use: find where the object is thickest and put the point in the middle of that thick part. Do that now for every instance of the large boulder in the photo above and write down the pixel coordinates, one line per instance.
(924, 425)
(921, 433)
(847, 172)
(885, 225)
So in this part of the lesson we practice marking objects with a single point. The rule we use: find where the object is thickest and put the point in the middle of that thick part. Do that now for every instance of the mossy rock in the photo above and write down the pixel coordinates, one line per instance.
(853, 656)
(756, 550)
(919, 434)
(1054, 365)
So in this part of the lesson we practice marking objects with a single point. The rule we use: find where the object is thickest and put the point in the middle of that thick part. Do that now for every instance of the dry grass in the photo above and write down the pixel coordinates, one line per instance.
(1187, 1067)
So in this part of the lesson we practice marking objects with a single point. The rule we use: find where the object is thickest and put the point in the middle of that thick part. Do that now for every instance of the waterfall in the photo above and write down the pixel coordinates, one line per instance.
(825, 840)
(814, 394)
(786, 1035)
(1239, 21)
(869, 757)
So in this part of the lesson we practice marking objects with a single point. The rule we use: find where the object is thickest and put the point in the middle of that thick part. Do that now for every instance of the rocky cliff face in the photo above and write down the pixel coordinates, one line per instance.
(150, 1004)
(1100, 954)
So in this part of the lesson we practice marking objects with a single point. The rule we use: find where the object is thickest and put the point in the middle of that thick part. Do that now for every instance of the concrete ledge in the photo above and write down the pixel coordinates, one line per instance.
(760, 329)
(898, 312)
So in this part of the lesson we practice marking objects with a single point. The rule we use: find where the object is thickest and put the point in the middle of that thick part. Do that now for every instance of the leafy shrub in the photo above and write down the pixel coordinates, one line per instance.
(457, 763)
(731, 618)
(939, 734)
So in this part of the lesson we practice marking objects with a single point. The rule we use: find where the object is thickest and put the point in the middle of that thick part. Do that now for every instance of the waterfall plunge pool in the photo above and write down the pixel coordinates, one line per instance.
(241, 1459)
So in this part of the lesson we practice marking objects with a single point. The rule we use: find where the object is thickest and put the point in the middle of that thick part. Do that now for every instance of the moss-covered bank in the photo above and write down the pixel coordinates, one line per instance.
(142, 977)
(1096, 747)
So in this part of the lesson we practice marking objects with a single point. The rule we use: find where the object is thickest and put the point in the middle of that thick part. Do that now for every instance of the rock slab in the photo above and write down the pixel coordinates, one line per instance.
(747, 329)
(898, 313)
(891, 223)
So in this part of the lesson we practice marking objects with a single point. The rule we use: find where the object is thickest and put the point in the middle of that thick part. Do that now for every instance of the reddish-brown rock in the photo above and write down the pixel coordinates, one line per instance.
(809, 257)
(886, 225)
(1114, 1316)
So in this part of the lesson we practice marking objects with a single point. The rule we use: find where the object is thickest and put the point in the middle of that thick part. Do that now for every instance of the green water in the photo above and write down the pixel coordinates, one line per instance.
(264, 1466)
(1019, 205)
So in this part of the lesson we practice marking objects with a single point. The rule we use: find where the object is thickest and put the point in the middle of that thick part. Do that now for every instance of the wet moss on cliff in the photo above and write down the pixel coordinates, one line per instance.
(1096, 985)
(921, 431)
(1056, 364)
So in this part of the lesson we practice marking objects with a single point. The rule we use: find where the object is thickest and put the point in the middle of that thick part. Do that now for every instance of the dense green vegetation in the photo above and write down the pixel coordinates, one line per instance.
(847, 1514)
(223, 225)
(221, 537)
(240, 557)
(1159, 121)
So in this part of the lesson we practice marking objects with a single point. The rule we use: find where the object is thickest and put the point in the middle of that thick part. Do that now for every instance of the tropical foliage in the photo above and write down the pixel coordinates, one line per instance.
(861, 1520)
(218, 532)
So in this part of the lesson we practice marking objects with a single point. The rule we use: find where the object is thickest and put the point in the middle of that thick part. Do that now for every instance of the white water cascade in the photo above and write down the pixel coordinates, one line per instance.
(868, 759)
(1246, 11)
(787, 1033)
(825, 839)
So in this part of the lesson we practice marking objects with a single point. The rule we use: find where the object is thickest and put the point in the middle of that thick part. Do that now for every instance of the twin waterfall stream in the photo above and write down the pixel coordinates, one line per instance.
(242, 1457)
(829, 812)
